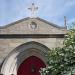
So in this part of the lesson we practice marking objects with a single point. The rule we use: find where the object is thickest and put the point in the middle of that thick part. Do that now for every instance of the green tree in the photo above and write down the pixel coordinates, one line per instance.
(61, 61)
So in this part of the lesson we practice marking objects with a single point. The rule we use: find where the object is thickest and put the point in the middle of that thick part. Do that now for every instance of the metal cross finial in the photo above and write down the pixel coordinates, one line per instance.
(33, 10)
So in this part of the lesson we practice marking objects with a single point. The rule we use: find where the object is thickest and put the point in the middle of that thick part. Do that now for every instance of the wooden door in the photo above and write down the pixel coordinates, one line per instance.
(31, 66)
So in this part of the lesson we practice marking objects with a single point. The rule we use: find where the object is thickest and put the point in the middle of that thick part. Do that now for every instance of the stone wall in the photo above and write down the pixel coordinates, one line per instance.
(7, 45)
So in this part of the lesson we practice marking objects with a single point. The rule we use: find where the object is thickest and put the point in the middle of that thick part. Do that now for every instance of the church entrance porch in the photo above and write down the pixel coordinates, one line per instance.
(31, 66)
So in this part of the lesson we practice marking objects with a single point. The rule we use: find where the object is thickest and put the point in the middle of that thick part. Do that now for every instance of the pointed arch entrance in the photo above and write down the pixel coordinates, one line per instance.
(30, 50)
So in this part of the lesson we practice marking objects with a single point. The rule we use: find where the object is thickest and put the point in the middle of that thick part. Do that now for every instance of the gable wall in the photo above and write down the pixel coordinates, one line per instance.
(24, 28)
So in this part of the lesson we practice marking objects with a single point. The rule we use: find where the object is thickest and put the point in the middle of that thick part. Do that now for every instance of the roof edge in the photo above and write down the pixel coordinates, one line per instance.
(55, 25)
(10, 24)
(2, 27)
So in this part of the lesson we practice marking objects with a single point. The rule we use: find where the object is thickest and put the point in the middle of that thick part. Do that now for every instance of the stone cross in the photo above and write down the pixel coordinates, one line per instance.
(33, 10)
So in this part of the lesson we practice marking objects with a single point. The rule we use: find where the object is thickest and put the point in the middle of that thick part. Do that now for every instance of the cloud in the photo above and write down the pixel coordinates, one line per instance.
(51, 10)
(71, 20)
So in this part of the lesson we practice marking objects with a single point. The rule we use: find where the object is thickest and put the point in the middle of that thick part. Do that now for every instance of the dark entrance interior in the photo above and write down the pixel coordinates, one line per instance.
(31, 66)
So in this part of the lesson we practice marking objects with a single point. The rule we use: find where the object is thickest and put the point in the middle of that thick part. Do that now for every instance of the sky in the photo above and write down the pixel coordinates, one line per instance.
(50, 10)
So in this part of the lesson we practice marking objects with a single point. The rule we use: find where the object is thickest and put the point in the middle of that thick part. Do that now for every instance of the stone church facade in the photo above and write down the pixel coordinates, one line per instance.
(25, 38)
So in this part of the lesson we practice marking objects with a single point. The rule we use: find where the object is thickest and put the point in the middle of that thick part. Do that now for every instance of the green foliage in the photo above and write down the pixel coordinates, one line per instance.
(70, 38)
(61, 61)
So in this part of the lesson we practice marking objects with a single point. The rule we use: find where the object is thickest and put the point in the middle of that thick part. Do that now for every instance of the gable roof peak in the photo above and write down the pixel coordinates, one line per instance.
(27, 18)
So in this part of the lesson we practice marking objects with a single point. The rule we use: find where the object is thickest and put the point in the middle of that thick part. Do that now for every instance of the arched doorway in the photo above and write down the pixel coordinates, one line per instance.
(21, 53)
(31, 66)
